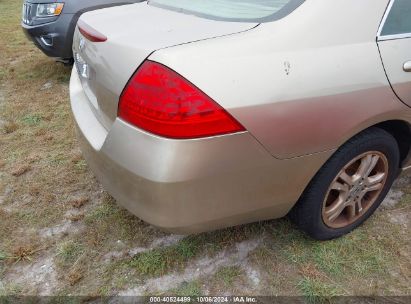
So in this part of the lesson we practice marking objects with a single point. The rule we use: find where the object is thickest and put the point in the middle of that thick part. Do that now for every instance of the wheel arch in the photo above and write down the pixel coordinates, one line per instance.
(401, 131)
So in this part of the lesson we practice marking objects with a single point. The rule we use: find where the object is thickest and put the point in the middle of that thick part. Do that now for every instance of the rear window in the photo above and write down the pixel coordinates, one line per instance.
(232, 10)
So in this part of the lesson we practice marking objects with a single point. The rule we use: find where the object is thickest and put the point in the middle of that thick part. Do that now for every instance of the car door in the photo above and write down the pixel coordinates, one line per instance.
(394, 41)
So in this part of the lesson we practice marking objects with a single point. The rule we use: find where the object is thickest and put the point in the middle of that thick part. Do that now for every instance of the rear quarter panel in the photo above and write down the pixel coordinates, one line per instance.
(300, 85)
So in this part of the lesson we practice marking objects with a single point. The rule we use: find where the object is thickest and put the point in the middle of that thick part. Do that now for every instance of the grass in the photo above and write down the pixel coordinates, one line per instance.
(228, 275)
(406, 199)
(317, 291)
(160, 261)
(108, 218)
(356, 254)
(188, 289)
(69, 251)
(10, 290)
(32, 119)
(43, 178)
(152, 263)
(102, 212)
(3, 256)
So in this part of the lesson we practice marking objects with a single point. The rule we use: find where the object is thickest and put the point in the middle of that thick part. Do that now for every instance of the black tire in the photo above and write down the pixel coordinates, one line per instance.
(307, 213)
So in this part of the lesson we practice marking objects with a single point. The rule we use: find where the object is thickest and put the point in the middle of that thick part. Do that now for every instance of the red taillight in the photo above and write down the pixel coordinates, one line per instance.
(162, 102)
(90, 33)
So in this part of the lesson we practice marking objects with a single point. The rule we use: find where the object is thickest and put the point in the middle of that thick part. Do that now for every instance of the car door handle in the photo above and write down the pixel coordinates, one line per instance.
(407, 66)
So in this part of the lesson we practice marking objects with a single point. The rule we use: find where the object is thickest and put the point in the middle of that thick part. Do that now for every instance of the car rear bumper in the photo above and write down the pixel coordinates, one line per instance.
(54, 38)
(189, 186)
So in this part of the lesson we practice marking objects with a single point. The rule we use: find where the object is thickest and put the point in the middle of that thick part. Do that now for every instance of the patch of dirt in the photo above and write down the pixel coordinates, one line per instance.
(403, 181)
(167, 240)
(40, 275)
(47, 86)
(157, 243)
(65, 228)
(18, 205)
(253, 275)
(6, 192)
(72, 223)
(399, 218)
(204, 266)
(392, 199)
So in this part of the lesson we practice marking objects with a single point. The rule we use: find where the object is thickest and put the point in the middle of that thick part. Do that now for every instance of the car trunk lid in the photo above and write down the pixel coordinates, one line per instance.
(134, 32)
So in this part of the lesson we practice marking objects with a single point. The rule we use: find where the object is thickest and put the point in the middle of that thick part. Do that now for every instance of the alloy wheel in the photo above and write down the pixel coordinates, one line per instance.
(355, 189)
